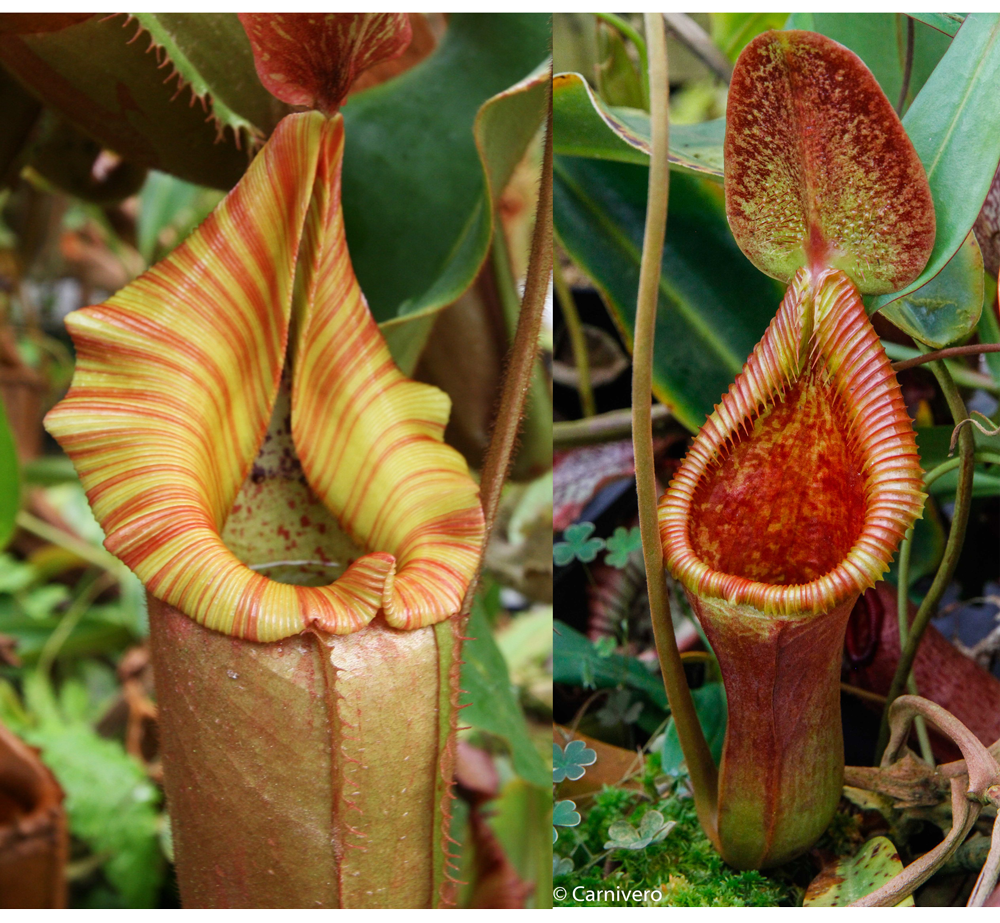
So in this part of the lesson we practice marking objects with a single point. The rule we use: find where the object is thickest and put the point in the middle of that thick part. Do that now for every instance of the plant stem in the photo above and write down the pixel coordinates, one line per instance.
(604, 427)
(907, 66)
(902, 613)
(535, 442)
(973, 349)
(635, 37)
(521, 362)
(77, 609)
(953, 547)
(704, 777)
(92, 554)
(577, 340)
(963, 376)
(700, 44)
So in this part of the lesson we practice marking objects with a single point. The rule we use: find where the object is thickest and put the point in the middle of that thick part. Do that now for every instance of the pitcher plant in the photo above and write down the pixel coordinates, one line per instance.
(305, 536)
(800, 486)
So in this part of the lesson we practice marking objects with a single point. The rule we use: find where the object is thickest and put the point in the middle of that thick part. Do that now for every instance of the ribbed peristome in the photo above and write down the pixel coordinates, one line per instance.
(821, 350)
(175, 382)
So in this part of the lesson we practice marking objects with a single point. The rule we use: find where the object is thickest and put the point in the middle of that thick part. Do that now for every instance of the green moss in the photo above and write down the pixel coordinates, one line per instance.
(684, 869)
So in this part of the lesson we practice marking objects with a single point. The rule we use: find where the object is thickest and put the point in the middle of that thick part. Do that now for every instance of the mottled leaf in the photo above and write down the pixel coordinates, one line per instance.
(819, 171)
(851, 878)
(311, 59)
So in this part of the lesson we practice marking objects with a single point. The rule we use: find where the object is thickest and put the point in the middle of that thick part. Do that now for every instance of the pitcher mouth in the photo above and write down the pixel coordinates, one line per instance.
(797, 491)
(177, 379)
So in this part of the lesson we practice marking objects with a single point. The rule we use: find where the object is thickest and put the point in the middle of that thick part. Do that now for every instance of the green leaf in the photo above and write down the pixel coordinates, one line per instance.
(212, 54)
(428, 153)
(989, 332)
(710, 706)
(879, 39)
(713, 305)
(622, 835)
(955, 127)
(561, 866)
(933, 443)
(169, 209)
(853, 878)
(111, 803)
(732, 31)
(102, 631)
(494, 706)
(927, 550)
(584, 126)
(575, 661)
(618, 79)
(570, 763)
(578, 545)
(946, 23)
(115, 90)
(948, 307)
(10, 481)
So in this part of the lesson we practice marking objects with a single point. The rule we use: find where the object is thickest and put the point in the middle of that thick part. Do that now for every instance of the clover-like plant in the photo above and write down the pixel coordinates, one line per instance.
(564, 814)
(622, 545)
(652, 829)
(799, 487)
(571, 762)
(578, 545)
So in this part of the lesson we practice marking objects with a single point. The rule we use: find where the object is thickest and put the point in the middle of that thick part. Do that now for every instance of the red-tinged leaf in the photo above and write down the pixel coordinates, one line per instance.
(176, 382)
(818, 169)
(790, 503)
(311, 59)
(496, 884)
(34, 23)
(987, 227)
(942, 672)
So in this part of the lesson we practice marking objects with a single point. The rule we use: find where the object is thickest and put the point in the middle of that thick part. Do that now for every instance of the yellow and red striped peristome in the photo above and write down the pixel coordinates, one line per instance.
(236, 410)
(798, 489)
(176, 380)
